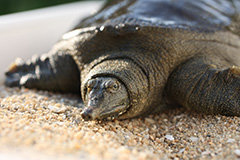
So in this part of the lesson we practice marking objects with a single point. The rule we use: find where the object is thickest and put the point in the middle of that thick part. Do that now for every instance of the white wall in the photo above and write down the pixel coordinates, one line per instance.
(34, 32)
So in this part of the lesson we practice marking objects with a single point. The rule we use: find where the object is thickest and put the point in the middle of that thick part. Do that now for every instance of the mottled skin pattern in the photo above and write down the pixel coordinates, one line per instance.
(136, 57)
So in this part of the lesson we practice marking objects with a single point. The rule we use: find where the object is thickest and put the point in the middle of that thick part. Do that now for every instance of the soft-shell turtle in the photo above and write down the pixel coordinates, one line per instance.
(136, 57)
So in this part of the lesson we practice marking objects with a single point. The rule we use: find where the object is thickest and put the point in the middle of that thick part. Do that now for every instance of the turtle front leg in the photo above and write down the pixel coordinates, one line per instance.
(53, 72)
(205, 88)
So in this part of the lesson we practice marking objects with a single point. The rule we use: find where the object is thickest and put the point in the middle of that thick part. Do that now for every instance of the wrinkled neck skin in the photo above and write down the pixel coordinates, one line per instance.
(127, 72)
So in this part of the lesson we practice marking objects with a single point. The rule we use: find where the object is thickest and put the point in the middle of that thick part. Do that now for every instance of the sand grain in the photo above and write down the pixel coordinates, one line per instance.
(40, 123)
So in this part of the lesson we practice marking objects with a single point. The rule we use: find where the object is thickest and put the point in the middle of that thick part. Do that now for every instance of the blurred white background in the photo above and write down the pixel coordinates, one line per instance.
(34, 32)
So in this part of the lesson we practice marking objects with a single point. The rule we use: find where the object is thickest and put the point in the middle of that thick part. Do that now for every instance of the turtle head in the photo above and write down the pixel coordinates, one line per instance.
(106, 98)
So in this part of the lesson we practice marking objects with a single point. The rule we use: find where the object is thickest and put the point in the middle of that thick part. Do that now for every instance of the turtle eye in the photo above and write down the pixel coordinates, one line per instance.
(91, 83)
(112, 86)
(115, 86)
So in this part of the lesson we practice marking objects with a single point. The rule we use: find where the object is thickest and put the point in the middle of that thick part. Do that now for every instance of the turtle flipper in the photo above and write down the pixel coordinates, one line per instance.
(205, 88)
(47, 72)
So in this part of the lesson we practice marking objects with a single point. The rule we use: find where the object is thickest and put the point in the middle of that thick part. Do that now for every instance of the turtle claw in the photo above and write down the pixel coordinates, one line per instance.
(18, 73)
(17, 64)
(12, 80)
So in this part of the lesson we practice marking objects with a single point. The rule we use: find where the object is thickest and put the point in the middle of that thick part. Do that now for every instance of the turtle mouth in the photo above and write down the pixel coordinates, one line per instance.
(92, 113)
(113, 113)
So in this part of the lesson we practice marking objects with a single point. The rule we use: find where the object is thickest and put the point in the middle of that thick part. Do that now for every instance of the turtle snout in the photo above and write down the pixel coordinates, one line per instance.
(89, 113)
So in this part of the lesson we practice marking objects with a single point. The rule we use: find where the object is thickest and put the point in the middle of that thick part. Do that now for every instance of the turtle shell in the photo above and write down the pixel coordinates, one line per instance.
(201, 15)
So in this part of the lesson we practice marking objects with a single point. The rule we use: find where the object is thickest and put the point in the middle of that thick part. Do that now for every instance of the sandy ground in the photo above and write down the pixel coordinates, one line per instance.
(44, 125)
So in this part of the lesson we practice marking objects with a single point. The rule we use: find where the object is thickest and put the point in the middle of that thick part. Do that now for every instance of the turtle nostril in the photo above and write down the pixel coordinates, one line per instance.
(87, 115)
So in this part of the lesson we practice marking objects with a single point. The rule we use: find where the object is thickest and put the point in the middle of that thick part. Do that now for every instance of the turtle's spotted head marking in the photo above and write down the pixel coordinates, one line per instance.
(107, 98)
